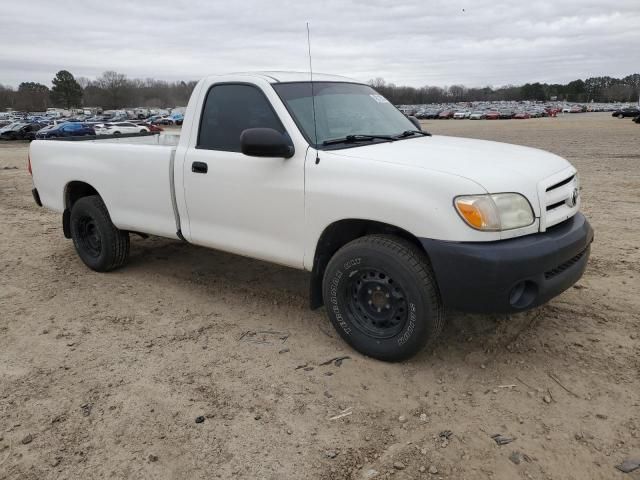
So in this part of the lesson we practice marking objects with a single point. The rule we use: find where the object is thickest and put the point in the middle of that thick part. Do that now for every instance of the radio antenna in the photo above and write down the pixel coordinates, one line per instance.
(313, 97)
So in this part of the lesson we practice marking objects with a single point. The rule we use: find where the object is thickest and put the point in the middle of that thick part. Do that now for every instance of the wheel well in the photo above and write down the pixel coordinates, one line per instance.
(338, 234)
(73, 192)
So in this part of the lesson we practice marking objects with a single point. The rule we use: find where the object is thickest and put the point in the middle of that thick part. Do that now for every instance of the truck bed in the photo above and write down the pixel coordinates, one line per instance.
(133, 174)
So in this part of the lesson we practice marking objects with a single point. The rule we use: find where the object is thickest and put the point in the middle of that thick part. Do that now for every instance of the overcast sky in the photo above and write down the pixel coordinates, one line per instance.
(422, 42)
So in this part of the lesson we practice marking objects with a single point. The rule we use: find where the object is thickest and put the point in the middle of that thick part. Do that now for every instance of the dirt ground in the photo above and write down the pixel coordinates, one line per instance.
(104, 375)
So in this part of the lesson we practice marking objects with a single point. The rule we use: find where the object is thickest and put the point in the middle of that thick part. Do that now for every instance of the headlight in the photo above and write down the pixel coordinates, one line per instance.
(495, 212)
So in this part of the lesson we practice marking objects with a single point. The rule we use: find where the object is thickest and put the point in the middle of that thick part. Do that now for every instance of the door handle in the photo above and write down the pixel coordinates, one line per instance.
(199, 167)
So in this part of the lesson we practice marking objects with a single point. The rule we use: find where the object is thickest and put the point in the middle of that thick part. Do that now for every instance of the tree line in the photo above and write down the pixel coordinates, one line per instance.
(597, 89)
(113, 90)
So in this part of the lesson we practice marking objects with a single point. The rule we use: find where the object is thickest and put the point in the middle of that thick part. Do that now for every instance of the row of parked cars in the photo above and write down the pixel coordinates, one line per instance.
(31, 129)
(489, 114)
(511, 110)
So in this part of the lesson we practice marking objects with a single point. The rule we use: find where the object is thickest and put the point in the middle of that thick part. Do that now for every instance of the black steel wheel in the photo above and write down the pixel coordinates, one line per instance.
(376, 303)
(99, 243)
(89, 236)
(382, 298)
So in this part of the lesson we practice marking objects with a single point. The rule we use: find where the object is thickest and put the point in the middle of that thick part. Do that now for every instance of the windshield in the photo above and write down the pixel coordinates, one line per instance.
(342, 109)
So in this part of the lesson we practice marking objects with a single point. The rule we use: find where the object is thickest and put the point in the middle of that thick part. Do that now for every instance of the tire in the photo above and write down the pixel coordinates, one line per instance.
(143, 131)
(620, 115)
(382, 298)
(100, 245)
(116, 134)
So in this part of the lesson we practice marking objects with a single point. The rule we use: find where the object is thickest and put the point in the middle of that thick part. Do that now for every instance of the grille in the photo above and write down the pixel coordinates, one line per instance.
(559, 184)
(563, 266)
(558, 199)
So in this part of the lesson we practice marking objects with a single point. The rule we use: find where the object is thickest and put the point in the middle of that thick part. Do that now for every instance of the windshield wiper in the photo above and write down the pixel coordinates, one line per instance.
(358, 138)
(410, 133)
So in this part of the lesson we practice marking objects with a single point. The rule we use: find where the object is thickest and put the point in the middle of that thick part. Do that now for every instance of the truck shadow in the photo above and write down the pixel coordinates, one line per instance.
(278, 288)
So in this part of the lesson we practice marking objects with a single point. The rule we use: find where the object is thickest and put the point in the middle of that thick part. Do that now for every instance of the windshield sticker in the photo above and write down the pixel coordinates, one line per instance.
(379, 98)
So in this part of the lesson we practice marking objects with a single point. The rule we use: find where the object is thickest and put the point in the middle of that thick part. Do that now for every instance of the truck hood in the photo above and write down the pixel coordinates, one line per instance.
(495, 166)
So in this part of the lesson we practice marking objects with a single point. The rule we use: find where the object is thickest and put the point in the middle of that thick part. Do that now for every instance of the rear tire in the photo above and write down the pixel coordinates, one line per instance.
(620, 115)
(382, 298)
(100, 245)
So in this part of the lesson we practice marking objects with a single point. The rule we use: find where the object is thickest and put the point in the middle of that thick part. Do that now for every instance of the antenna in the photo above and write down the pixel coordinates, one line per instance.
(313, 97)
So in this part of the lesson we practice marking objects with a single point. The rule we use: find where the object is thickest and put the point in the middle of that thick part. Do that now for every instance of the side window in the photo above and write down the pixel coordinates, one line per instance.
(231, 109)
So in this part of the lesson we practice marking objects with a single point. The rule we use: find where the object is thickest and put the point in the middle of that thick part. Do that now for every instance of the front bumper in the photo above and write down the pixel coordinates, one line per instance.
(511, 275)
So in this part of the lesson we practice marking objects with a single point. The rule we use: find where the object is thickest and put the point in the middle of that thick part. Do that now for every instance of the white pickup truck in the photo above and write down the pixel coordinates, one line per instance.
(395, 225)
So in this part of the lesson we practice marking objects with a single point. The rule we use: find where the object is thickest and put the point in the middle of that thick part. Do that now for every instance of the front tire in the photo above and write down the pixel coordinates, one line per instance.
(100, 245)
(382, 298)
(620, 115)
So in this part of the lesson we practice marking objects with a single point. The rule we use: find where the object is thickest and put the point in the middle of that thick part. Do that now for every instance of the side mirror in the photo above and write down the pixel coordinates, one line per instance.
(265, 142)
(416, 122)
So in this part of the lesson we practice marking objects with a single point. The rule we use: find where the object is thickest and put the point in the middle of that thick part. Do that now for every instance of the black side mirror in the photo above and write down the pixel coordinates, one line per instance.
(265, 142)
(416, 122)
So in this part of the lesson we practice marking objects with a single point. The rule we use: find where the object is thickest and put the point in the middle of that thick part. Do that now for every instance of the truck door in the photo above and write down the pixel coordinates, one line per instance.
(252, 206)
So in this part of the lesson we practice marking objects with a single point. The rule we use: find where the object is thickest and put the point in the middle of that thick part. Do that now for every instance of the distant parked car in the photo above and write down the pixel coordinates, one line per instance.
(428, 114)
(11, 132)
(445, 114)
(461, 114)
(21, 131)
(10, 127)
(68, 129)
(177, 118)
(492, 115)
(119, 128)
(164, 120)
(505, 113)
(521, 115)
(626, 112)
(476, 115)
(152, 128)
(536, 112)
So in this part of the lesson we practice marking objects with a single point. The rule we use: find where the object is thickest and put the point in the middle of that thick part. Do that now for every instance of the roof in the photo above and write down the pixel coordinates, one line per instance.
(281, 76)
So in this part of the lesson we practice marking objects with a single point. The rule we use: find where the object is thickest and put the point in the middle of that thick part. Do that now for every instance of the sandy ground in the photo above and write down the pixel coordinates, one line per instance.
(103, 375)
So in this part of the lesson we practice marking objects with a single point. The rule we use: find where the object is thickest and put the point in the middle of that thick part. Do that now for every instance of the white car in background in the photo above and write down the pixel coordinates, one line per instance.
(461, 114)
(119, 128)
